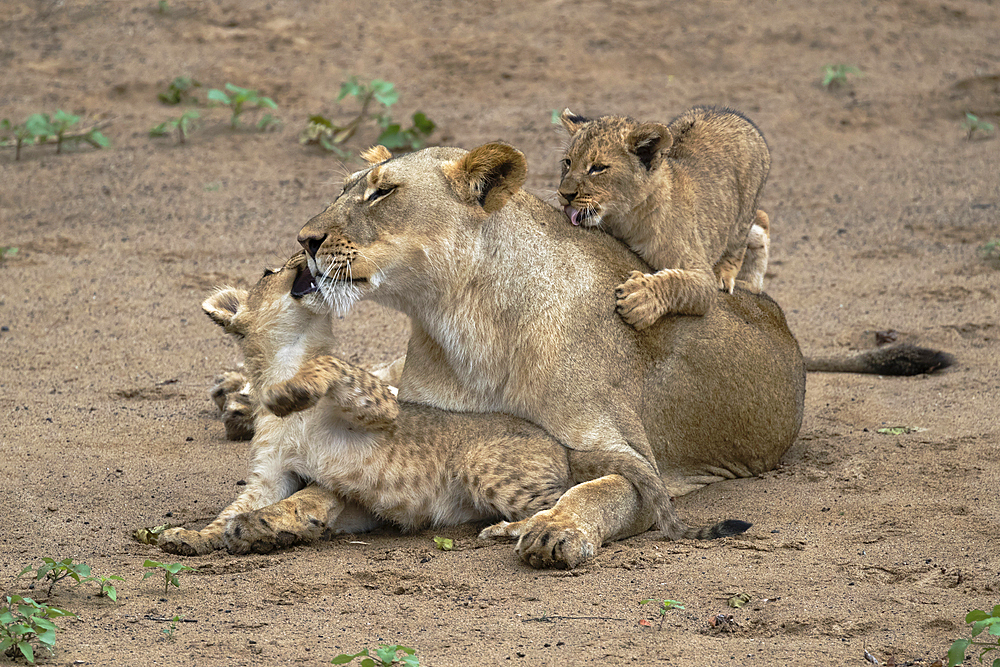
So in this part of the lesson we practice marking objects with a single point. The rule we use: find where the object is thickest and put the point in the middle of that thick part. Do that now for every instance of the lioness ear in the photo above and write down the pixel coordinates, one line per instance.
(649, 142)
(223, 305)
(488, 175)
(571, 121)
(376, 154)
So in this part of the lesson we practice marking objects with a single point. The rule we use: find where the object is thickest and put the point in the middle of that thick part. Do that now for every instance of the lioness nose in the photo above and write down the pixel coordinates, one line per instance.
(311, 241)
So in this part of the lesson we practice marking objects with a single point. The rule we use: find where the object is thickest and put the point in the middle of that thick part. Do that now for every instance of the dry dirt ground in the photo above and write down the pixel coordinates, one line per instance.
(878, 201)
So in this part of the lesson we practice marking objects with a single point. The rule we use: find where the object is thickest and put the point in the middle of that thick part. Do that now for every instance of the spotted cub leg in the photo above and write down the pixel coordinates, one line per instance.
(231, 394)
(751, 275)
(362, 397)
(644, 298)
(302, 517)
(267, 485)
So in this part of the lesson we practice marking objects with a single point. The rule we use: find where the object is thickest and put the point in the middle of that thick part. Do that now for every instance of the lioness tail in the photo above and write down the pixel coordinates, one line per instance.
(900, 359)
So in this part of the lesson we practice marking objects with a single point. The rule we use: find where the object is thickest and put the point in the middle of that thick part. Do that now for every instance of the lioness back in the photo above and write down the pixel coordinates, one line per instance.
(683, 196)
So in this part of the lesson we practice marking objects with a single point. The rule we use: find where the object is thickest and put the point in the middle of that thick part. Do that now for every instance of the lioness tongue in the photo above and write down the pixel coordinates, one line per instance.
(304, 283)
(574, 215)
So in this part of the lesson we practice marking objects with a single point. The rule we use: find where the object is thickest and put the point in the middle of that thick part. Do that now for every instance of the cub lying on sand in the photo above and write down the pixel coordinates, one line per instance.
(683, 196)
(361, 457)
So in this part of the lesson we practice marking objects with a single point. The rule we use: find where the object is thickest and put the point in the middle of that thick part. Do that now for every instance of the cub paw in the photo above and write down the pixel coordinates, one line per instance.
(188, 542)
(637, 303)
(231, 394)
(269, 528)
(549, 539)
(285, 398)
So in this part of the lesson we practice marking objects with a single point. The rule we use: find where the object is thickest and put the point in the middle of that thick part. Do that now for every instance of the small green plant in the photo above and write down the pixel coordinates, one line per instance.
(972, 124)
(836, 75)
(444, 543)
(55, 571)
(980, 621)
(179, 90)
(664, 607)
(328, 135)
(170, 630)
(387, 656)
(24, 623)
(240, 98)
(7, 252)
(989, 251)
(163, 7)
(41, 128)
(171, 572)
(184, 126)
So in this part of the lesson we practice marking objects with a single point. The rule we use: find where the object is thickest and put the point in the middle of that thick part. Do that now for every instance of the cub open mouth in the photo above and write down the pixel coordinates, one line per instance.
(576, 216)
(304, 282)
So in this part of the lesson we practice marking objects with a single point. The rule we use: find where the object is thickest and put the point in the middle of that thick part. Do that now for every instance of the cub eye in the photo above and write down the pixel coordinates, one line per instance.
(597, 168)
(269, 271)
(378, 193)
(565, 165)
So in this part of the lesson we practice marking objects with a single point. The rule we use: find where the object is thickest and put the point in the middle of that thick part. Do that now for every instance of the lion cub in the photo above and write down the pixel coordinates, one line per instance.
(336, 430)
(683, 196)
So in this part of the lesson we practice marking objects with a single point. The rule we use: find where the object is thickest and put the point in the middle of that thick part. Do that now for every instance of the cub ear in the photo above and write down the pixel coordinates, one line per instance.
(376, 154)
(223, 305)
(571, 121)
(489, 175)
(649, 142)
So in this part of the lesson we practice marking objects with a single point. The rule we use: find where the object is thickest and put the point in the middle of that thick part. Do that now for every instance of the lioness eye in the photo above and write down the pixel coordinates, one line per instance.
(597, 168)
(379, 193)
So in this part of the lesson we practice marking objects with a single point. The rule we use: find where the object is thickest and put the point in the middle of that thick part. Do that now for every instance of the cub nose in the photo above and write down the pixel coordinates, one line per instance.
(567, 197)
(311, 242)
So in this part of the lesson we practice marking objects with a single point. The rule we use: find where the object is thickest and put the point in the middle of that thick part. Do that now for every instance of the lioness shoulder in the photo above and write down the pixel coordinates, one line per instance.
(683, 196)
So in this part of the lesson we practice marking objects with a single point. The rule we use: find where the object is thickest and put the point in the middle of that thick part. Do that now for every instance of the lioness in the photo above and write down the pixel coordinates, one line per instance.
(331, 437)
(683, 196)
(512, 311)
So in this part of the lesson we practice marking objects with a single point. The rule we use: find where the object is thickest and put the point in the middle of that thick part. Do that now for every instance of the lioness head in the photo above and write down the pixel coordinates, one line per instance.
(279, 321)
(401, 216)
(605, 172)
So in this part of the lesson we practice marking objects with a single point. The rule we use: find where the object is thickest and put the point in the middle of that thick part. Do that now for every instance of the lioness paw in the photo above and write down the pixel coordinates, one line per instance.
(637, 302)
(188, 542)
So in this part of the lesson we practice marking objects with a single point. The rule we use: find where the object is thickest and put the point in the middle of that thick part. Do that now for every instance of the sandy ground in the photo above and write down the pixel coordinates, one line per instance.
(878, 205)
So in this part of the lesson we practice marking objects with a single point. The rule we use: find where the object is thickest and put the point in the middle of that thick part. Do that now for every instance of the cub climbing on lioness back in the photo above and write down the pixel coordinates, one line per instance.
(333, 450)
(683, 196)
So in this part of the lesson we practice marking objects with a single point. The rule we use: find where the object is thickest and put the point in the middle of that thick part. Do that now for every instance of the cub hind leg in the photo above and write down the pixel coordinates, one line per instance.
(751, 276)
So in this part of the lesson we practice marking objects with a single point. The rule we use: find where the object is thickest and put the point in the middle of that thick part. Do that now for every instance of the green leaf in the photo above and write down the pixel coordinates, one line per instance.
(411, 661)
(443, 543)
(321, 120)
(367, 662)
(109, 590)
(48, 637)
(5, 644)
(236, 89)
(149, 574)
(424, 124)
(956, 654)
(267, 102)
(343, 658)
(216, 95)
(26, 651)
(384, 92)
(350, 87)
(6, 618)
(38, 125)
(976, 615)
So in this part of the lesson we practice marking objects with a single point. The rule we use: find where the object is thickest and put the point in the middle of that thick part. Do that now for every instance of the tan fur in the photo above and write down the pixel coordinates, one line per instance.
(325, 422)
(683, 196)
(512, 311)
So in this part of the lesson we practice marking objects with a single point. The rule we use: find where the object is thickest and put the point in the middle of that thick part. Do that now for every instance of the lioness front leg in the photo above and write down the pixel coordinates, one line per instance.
(587, 516)
(302, 517)
(362, 397)
(644, 297)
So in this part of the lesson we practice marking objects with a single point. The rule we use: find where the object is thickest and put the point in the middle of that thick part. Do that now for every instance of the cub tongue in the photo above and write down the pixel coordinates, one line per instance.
(304, 283)
(574, 215)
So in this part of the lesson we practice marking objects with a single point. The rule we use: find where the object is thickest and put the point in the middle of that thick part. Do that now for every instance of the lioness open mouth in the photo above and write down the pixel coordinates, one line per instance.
(576, 216)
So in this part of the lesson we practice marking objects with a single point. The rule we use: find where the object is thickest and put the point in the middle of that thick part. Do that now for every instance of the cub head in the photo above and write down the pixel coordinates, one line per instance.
(607, 166)
(279, 322)
(398, 225)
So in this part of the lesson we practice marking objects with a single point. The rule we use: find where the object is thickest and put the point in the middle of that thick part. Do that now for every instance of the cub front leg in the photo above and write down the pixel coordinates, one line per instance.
(587, 516)
(231, 394)
(302, 517)
(260, 492)
(362, 397)
(644, 298)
